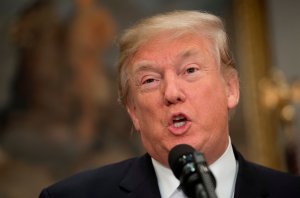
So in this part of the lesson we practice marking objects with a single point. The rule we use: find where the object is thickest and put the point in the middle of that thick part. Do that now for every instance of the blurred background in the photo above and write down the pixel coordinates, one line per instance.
(58, 92)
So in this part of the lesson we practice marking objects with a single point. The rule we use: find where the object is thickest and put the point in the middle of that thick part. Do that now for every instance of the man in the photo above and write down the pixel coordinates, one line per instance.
(179, 84)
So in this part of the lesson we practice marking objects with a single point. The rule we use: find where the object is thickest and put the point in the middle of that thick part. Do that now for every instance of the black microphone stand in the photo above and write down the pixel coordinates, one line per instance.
(205, 189)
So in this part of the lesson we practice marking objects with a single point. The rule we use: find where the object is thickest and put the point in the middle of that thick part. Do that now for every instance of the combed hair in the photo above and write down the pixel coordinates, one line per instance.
(176, 23)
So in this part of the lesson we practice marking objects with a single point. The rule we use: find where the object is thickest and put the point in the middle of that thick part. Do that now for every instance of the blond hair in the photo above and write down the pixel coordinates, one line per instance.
(176, 23)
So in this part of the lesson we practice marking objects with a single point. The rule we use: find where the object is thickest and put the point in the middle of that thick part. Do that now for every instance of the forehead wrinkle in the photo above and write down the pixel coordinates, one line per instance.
(148, 65)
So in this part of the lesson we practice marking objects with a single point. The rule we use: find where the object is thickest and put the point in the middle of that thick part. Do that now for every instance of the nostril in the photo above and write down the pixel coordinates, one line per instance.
(168, 102)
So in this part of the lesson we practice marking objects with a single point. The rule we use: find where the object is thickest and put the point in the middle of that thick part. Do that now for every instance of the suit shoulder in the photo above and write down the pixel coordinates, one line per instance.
(93, 181)
(281, 183)
(254, 170)
(271, 174)
(255, 180)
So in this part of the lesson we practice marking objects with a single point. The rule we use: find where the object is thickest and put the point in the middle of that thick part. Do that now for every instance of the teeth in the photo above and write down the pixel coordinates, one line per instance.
(179, 121)
(179, 117)
(179, 124)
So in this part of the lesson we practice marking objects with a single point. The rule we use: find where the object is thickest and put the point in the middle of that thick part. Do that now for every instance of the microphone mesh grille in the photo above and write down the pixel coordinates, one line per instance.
(174, 158)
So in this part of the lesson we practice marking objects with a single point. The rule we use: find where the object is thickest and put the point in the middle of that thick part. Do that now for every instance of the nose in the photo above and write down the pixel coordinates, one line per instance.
(172, 91)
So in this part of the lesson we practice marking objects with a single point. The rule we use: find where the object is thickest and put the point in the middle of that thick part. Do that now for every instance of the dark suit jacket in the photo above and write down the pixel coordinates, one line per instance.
(135, 178)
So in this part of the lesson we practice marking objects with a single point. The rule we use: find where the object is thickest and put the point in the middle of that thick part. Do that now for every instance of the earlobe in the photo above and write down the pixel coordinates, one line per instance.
(132, 113)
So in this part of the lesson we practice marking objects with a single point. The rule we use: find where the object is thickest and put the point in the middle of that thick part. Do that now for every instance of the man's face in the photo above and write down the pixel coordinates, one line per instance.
(178, 95)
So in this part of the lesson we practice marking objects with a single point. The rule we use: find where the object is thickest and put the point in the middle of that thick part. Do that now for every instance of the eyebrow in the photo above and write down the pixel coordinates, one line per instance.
(186, 53)
(144, 66)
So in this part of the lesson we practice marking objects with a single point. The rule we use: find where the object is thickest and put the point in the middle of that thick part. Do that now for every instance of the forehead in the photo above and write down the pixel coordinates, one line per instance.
(165, 47)
(184, 40)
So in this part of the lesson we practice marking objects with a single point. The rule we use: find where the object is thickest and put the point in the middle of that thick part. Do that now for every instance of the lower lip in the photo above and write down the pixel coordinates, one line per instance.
(179, 130)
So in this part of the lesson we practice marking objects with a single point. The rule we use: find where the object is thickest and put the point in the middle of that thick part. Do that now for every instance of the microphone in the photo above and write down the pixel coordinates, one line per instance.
(190, 167)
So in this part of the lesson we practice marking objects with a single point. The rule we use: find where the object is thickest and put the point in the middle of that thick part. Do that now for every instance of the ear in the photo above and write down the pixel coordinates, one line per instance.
(131, 109)
(233, 89)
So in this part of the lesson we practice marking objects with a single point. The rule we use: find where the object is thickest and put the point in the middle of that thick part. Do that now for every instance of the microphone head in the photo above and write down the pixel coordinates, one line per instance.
(179, 156)
(189, 166)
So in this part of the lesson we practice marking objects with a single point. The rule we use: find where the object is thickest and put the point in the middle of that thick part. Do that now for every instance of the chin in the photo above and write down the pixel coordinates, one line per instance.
(183, 142)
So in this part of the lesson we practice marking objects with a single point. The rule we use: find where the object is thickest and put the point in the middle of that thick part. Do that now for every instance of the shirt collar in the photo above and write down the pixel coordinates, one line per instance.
(224, 170)
(167, 182)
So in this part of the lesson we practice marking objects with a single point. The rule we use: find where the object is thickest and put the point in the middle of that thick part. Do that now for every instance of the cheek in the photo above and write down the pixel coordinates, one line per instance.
(148, 110)
(209, 100)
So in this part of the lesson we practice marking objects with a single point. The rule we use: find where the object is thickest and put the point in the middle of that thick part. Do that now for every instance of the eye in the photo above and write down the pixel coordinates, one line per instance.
(191, 70)
(148, 81)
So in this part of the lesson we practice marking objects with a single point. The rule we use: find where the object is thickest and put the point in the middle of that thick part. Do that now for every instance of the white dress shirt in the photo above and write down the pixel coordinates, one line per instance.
(224, 169)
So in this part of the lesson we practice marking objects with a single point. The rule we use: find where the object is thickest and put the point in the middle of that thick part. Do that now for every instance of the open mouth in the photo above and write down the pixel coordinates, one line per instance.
(179, 121)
